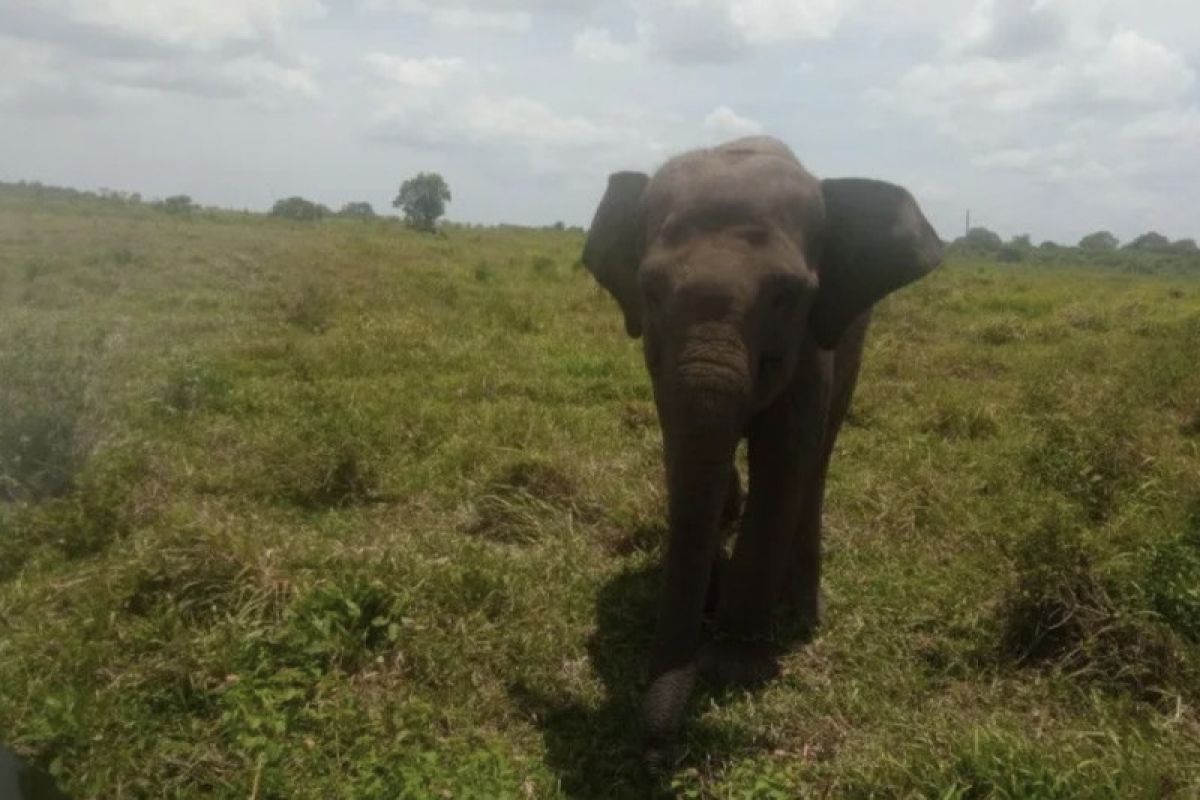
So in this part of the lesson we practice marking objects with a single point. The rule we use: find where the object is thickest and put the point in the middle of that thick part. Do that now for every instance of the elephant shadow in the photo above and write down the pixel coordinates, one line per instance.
(596, 751)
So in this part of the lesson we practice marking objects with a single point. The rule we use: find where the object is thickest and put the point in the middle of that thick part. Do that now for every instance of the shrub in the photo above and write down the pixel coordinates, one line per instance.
(1100, 241)
(1153, 242)
(1063, 610)
(981, 240)
(299, 209)
(359, 210)
(179, 204)
(98, 511)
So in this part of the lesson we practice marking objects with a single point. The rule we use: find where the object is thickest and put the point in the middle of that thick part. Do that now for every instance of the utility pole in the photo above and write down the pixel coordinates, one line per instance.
(968, 229)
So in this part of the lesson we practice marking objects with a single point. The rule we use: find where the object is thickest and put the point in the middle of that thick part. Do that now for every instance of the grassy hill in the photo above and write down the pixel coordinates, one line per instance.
(342, 510)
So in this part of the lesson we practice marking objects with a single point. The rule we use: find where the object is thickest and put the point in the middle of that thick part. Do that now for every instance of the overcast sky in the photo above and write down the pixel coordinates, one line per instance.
(1053, 118)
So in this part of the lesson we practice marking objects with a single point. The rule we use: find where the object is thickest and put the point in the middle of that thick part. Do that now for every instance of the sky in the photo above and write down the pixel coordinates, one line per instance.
(1052, 118)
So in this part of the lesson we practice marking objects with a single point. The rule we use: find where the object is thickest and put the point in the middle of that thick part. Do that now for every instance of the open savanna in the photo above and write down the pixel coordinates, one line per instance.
(341, 510)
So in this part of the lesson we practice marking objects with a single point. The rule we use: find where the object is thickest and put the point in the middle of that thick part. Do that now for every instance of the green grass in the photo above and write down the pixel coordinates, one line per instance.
(341, 510)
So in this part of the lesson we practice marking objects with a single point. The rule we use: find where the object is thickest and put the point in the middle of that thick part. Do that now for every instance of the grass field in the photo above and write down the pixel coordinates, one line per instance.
(342, 510)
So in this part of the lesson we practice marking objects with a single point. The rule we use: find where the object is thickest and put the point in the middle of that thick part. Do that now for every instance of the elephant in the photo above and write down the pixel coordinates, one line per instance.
(751, 284)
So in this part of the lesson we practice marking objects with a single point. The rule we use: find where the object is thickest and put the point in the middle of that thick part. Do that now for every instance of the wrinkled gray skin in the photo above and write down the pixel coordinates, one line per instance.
(752, 283)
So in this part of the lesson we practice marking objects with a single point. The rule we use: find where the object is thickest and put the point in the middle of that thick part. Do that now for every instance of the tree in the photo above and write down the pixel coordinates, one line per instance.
(178, 204)
(1099, 241)
(361, 210)
(982, 239)
(1185, 246)
(1153, 242)
(298, 208)
(423, 199)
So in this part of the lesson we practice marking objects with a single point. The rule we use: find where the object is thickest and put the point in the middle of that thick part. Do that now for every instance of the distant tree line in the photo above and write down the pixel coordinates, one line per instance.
(422, 200)
(980, 241)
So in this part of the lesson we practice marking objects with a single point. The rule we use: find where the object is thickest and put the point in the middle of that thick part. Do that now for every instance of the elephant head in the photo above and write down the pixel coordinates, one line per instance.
(730, 262)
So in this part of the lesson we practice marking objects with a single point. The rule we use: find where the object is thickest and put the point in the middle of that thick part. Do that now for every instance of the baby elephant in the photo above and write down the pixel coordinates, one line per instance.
(751, 283)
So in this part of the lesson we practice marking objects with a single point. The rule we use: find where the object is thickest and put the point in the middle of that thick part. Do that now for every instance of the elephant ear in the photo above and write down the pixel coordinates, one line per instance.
(613, 249)
(876, 241)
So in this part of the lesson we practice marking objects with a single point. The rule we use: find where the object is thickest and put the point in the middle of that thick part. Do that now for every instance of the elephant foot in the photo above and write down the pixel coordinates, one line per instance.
(732, 662)
(662, 713)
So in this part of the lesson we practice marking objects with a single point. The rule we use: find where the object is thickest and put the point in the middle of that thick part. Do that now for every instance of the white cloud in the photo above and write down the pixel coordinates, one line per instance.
(1137, 71)
(1103, 116)
(458, 17)
(724, 123)
(440, 103)
(1008, 28)
(1088, 76)
(424, 73)
(597, 44)
(183, 23)
(786, 20)
(94, 51)
(722, 30)
(511, 16)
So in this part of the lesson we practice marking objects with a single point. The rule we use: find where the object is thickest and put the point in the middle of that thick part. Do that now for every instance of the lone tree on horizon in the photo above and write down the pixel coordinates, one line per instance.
(423, 199)
(1100, 240)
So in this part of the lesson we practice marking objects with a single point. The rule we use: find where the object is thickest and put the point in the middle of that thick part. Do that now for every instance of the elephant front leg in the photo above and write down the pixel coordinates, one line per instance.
(697, 489)
(787, 457)
(741, 652)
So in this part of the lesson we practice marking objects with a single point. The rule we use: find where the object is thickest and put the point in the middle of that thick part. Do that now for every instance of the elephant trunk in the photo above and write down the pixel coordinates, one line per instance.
(713, 377)
(703, 404)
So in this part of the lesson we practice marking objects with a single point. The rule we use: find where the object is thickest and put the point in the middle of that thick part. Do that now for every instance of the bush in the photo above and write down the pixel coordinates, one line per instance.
(1010, 255)
(1152, 242)
(297, 208)
(98, 511)
(1063, 610)
(981, 240)
(360, 210)
(1100, 241)
(179, 204)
